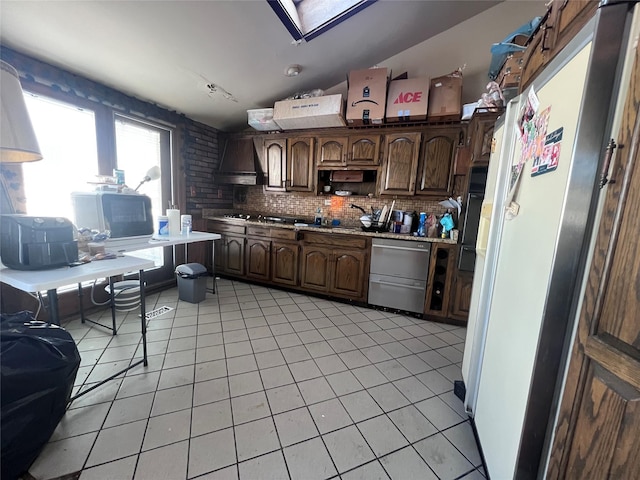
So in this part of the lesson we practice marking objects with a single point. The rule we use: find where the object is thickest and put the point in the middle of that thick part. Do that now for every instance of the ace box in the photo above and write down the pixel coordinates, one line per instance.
(408, 100)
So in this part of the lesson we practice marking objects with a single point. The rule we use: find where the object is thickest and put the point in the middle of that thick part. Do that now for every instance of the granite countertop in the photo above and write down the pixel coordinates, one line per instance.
(329, 229)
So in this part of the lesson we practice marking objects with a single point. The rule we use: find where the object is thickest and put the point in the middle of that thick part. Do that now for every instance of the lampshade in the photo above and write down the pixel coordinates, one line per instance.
(18, 141)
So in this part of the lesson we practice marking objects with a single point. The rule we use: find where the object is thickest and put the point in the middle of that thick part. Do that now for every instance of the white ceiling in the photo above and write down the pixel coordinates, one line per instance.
(167, 52)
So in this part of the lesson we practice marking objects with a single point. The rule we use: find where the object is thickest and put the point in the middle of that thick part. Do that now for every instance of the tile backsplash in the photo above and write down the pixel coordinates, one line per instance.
(304, 205)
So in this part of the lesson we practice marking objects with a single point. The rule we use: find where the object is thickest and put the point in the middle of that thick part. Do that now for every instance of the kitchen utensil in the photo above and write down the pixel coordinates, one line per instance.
(366, 220)
(343, 193)
(393, 204)
(383, 216)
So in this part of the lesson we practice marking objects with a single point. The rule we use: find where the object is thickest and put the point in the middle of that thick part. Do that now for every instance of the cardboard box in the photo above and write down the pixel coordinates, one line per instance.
(445, 98)
(262, 119)
(314, 112)
(408, 99)
(367, 96)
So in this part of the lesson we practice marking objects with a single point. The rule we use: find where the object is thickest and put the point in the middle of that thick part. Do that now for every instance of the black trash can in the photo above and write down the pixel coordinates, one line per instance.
(192, 282)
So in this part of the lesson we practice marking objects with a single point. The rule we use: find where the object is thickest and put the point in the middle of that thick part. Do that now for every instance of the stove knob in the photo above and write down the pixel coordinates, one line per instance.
(38, 220)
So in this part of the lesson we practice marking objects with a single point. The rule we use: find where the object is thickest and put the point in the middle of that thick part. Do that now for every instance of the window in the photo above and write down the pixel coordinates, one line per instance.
(67, 137)
(306, 19)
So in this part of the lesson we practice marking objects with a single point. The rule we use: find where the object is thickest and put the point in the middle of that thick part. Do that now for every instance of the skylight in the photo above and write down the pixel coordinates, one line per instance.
(306, 19)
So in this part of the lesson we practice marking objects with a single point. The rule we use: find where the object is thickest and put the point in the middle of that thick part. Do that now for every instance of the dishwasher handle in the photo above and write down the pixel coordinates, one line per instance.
(408, 249)
(401, 285)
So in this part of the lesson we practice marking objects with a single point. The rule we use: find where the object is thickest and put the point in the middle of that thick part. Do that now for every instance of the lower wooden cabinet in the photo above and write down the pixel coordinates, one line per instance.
(258, 253)
(336, 265)
(441, 273)
(461, 299)
(284, 263)
(233, 255)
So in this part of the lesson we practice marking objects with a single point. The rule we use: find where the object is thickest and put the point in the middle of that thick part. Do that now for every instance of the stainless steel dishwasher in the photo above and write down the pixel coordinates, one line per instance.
(398, 274)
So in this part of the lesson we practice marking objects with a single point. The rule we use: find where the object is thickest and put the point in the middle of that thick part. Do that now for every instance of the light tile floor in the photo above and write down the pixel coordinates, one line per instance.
(258, 383)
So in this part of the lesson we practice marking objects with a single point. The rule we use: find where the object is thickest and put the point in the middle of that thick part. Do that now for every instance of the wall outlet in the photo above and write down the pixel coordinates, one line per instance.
(327, 202)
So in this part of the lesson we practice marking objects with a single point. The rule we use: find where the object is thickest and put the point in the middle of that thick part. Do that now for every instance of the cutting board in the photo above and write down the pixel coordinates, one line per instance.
(383, 216)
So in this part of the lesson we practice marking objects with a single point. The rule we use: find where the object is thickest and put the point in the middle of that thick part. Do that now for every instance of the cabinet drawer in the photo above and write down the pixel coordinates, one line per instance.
(259, 231)
(284, 234)
(220, 227)
(335, 240)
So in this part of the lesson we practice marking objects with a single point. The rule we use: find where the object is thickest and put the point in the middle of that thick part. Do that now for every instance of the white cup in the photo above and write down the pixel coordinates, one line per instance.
(174, 221)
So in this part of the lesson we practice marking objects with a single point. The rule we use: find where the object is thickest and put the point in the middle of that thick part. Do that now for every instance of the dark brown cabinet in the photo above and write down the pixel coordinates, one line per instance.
(440, 280)
(356, 150)
(335, 265)
(229, 250)
(275, 159)
(284, 262)
(258, 253)
(435, 168)
(400, 163)
(299, 164)
(481, 136)
(461, 298)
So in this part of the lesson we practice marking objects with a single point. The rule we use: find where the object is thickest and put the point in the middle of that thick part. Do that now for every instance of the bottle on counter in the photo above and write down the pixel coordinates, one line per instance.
(422, 232)
(318, 217)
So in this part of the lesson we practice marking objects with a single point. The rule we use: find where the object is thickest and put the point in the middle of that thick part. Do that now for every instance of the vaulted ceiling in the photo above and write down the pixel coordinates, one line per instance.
(168, 52)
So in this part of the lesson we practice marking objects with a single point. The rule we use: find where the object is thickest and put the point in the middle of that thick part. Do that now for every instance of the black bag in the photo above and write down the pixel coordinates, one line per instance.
(38, 364)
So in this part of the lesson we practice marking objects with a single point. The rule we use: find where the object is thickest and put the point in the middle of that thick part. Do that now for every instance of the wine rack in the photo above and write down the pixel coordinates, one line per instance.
(439, 285)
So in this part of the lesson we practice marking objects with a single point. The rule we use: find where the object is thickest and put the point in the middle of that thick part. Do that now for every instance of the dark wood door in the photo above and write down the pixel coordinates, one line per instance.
(598, 428)
(348, 271)
(275, 154)
(400, 163)
(435, 169)
(258, 253)
(284, 262)
(300, 164)
(332, 151)
(364, 150)
(219, 254)
(234, 255)
(461, 299)
(315, 268)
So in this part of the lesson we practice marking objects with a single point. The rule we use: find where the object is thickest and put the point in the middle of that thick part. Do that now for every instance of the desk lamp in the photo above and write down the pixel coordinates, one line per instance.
(18, 141)
(152, 174)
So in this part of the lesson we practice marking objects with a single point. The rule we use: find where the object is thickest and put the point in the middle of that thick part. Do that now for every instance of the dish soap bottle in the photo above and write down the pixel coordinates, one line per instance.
(422, 232)
(318, 218)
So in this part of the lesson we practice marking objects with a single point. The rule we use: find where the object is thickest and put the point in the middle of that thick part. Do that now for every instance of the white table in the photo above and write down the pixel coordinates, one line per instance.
(51, 280)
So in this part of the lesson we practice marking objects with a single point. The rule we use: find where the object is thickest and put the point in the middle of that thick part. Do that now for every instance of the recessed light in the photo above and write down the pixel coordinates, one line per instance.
(292, 70)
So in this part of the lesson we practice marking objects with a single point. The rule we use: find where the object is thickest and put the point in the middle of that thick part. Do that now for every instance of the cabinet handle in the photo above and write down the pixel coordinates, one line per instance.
(611, 146)
(545, 29)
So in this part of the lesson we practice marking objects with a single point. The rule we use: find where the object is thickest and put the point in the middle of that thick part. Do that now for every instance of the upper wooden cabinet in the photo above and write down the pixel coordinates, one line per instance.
(288, 164)
(300, 164)
(435, 168)
(561, 23)
(275, 157)
(348, 150)
(400, 163)
(481, 136)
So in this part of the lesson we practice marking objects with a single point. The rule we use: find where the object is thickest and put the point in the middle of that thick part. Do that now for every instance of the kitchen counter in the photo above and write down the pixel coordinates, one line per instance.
(330, 229)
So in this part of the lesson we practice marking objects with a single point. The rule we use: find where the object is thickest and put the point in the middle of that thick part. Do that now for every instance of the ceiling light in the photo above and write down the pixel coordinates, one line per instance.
(292, 70)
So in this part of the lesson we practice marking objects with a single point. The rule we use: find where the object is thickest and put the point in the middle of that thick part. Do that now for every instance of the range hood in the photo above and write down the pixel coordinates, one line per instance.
(238, 165)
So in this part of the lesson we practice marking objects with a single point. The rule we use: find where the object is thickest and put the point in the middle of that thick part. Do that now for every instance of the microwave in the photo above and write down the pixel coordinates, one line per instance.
(122, 214)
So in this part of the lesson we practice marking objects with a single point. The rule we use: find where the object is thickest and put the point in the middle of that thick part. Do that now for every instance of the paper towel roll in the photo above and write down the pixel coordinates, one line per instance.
(174, 221)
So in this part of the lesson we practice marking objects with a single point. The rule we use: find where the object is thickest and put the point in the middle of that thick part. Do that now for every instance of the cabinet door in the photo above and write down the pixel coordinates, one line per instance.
(332, 151)
(315, 268)
(348, 271)
(275, 153)
(284, 263)
(400, 163)
(462, 296)
(258, 253)
(300, 164)
(481, 137)
(219, 247)
(435, 170)
(234, 255)
(364, 150)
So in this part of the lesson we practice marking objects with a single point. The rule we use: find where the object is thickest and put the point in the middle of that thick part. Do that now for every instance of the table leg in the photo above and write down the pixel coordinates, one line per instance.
(213, 263)
(80, 295)
(54, 316)
(113, 306)
(143, 318)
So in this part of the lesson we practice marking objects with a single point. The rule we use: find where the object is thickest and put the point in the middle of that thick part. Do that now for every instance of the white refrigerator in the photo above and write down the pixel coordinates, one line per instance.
(533, 244)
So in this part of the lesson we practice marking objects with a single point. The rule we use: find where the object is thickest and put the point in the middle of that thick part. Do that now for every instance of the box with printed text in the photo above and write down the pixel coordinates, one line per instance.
(367, 96)
(313, 112)
(407, 100)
